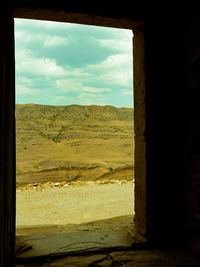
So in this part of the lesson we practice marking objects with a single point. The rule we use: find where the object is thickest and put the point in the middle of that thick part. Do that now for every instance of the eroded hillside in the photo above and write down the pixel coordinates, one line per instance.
(73, 142)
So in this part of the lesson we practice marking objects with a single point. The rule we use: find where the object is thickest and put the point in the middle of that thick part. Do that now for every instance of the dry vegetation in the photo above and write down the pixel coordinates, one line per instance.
(73, 143)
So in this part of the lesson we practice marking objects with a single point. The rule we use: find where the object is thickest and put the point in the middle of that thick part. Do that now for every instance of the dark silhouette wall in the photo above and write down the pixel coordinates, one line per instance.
(172, 57)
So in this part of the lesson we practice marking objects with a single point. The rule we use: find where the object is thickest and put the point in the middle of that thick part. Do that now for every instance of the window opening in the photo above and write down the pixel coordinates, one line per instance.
(74, 125)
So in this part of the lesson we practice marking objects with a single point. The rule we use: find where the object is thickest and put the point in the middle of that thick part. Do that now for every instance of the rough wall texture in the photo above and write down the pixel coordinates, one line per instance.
(142, 258)
(7, 141)
(172, 112)
(164, 117)
(189, 43)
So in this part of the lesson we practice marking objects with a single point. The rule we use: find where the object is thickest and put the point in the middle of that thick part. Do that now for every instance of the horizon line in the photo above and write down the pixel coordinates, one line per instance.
(107, 105)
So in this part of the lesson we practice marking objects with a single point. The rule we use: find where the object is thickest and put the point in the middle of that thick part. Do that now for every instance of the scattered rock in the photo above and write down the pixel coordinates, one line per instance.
(29, 188)
(78, 183)
(63, 183)
(47, 184)
(40, 186)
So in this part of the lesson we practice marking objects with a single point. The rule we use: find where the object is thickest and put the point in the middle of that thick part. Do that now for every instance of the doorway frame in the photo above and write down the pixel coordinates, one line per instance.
(7, 103)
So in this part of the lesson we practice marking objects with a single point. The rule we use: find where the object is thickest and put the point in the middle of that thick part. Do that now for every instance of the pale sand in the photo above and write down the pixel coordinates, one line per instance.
(74, 205)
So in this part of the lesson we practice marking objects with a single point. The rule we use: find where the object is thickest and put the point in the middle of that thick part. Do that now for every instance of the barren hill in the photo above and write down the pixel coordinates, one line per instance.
(73, 113)
(73, 142)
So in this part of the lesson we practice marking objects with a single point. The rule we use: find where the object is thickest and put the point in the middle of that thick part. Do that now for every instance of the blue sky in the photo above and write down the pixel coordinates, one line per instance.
(64, 64)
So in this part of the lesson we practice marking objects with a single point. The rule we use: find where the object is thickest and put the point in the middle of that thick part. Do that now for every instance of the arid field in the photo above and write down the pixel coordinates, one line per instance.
(68, 143)
(75, 164)
(74, 204)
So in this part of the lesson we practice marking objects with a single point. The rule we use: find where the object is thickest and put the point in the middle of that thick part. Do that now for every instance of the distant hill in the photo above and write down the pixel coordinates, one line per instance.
(65, 142)
(73, 113)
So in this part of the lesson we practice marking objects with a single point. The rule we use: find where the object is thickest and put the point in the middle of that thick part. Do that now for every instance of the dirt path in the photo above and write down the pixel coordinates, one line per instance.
(74, 205)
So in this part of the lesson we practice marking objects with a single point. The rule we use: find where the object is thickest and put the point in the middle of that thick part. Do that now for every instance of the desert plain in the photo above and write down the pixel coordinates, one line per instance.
(74, 164)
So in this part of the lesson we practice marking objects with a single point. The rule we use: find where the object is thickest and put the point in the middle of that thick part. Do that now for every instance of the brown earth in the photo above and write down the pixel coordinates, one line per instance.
(73, 204)
(56, 143)
(76, 174)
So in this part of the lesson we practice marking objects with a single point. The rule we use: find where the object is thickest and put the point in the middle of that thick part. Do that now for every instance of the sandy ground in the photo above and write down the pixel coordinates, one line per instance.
(74, 204)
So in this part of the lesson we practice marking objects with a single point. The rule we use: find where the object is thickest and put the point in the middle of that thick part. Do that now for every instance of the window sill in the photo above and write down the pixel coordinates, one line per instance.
(56, 240)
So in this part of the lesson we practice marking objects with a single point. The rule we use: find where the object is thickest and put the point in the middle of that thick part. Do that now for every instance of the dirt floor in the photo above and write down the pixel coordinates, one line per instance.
(73, 204)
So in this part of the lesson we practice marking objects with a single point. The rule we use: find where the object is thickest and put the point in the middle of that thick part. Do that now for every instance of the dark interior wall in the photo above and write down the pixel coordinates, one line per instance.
(189, 43)
(115, 9)
(164, 114)
(7, 140)
(171, 43)
(173, 127)
(172, 57)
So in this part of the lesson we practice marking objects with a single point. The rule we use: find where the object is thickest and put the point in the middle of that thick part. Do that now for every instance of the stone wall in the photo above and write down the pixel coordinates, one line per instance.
(189, 82)
(172, 132)
(142, 258)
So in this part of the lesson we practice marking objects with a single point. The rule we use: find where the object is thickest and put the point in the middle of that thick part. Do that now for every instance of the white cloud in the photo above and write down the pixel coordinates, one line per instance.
(61, 97)
(69, 85)
(54, 24)
(90, 99)
(118, 60)
(26, 63)
(80, 73)
(115, 70)
(24, 81)
(117, 77)
(94, 101)
(91, 84)
(23, 90)
(51, 41)
(45, 40)
(127, 92)
(27, 38)
(88, 95)
(95, 90)
(124, 46)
